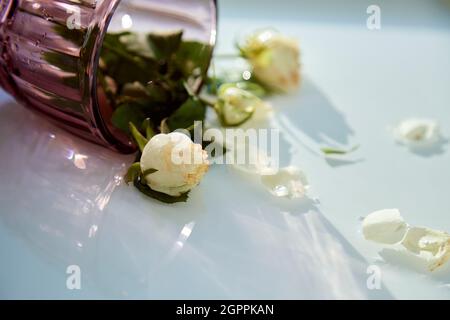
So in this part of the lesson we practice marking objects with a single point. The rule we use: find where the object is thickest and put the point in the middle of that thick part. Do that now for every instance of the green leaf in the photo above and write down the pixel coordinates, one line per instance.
(214, 146)
(76, 36)
(152, 85)
(159, 91)
(192, 55)
(137, 136)
(145, 189)
(185, 116)
(137, 43)
(124, 71)
(144, 95)
(148, 172)
(134, 171)
(164, 127)
(62, 61)
(165, 44)
(124, 65)
(147, 127)
(330, 151)
(125, 114)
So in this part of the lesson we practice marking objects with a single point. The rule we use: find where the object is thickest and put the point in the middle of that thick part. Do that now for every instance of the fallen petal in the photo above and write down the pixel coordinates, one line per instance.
(417, 132)
(288, 182)
(249, 158)
(384, 226)
(430, 244)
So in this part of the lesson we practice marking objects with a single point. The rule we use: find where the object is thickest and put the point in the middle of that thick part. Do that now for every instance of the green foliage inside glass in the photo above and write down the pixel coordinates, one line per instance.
(148, 76)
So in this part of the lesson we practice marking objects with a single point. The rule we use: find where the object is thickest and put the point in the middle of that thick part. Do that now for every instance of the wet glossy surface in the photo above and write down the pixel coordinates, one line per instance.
(62, 202)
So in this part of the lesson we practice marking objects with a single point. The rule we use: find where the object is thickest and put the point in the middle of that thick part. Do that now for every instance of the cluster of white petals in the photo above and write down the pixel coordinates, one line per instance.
(388, 227)
(275, 60)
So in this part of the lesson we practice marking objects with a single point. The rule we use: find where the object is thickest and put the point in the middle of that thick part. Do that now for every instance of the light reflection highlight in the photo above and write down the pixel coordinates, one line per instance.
(183, 236)
(127, 22)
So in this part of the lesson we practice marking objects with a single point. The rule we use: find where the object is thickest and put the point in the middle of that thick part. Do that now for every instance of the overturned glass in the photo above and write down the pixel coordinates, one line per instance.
(88, 64)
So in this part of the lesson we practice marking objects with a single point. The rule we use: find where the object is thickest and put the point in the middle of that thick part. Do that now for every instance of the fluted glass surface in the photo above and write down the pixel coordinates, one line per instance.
(50, 51)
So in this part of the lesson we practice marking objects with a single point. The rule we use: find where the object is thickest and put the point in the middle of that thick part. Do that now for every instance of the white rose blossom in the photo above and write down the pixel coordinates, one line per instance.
(275, 60)
(179, 163)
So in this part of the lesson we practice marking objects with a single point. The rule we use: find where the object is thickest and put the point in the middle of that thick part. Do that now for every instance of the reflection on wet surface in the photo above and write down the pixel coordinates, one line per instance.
(66, 204)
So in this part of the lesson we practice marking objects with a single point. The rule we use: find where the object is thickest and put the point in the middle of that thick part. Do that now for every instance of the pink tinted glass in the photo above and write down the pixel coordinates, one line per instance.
(50, 51)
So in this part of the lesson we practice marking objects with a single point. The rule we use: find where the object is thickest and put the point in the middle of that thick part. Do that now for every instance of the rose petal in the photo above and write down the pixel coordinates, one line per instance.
(288, 182)
(384, 226)
(417, 132)
(255, 161)
(430, 244)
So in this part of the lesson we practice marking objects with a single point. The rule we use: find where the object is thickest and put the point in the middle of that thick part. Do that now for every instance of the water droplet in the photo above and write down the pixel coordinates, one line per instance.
(246, 75)
(280, 190)
(117, 179)
(46, 15)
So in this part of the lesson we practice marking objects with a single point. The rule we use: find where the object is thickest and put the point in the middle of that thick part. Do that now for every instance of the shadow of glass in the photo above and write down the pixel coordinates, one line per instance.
(60, 203)
(307, 256)
(335, 163)
(58, 184)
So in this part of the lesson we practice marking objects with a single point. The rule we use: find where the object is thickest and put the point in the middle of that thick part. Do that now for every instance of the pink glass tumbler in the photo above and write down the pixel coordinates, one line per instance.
(50, 51)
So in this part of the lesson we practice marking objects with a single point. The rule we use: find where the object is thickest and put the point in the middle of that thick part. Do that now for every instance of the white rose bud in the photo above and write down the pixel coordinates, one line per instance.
(235, 106)
(179, 163)
(275, 60)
